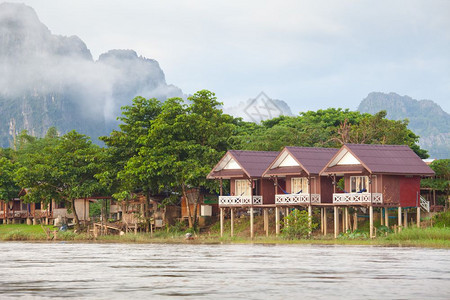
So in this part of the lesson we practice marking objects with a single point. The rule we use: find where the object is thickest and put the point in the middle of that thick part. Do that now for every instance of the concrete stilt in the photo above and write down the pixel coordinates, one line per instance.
(221, 222)
(277, 221)
(343, 219)
(34, 221)
(232, 222)
(355, 220)
(286, 222)
(336, 222)
(399, 218)
(252, 229)
(371, 221)
(418, 217)
(324, 221)
(28, 221)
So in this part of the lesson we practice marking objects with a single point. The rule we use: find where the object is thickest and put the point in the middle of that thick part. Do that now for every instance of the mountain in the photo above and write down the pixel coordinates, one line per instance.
(52, 80)
(426, 119)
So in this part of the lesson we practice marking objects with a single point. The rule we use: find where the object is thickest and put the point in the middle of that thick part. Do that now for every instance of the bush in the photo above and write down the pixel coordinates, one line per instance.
(299, 225)
(442, 219)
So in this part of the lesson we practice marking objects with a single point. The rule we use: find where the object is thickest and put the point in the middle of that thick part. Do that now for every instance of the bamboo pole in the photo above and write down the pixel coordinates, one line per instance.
(418, 217)
(277, 221)
(386, 217)
(266, 221)
(405, 220)
(221, 222)
(232, 221)
(336, 221)
(252, 233)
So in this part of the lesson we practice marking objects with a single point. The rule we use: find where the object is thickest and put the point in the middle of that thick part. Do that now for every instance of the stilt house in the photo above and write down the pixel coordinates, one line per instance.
(379, 175)
(295, 172)
(244, 169)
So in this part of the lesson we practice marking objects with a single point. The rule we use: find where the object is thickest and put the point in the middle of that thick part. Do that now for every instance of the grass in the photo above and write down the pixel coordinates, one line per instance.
(436, 237)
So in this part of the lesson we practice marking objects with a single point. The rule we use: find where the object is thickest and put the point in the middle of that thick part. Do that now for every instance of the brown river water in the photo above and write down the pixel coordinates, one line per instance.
(144, 271)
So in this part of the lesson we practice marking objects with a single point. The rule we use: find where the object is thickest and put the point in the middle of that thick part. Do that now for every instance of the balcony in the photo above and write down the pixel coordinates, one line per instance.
(356, 198)
(240, 200)
(296, 198)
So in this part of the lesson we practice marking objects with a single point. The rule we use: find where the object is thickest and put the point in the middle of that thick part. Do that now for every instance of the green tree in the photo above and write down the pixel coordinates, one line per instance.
(9, 189)
(122, 172)
(298, 225)
(184, 143)
(60, 169)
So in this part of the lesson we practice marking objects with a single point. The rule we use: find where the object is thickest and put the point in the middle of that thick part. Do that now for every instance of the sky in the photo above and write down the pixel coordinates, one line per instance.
(311, 54)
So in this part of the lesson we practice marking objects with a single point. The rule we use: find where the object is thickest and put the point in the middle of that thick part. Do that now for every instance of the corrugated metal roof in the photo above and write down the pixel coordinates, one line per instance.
(254, 162)
(313, 159)
(394, 159)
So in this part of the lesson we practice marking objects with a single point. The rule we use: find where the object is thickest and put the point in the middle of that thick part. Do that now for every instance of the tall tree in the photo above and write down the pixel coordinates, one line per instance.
(121, 172)
(184, 143)
(60, 169)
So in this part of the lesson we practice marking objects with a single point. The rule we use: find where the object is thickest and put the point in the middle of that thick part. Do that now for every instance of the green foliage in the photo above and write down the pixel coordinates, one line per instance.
(59, 168)
(353, 235)
(9, 189)
(442, 219)
(324, 128)
(442, 180)
(299, 225)
(416, 234)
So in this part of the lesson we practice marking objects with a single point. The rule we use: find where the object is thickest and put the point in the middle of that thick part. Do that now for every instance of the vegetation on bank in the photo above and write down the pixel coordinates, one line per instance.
(437, 236)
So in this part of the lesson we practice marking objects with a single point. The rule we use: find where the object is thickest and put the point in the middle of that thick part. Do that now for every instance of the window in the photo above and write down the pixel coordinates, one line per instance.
(359, 184)
(242, 188)
(299, 184)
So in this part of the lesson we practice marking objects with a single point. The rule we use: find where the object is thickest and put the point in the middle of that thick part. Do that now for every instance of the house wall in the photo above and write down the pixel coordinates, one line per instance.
(326, 189)
(267, 191)
(409, 191)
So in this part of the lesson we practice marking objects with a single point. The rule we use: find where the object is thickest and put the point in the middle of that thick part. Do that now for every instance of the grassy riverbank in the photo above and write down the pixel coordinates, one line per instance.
(410, 237)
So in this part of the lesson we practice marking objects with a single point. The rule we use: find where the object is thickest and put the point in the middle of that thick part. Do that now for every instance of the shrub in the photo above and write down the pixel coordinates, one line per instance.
(442, 219)
(298, 225)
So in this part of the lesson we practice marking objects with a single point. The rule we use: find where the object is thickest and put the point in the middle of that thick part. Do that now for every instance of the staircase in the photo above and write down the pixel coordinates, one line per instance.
(424, 204)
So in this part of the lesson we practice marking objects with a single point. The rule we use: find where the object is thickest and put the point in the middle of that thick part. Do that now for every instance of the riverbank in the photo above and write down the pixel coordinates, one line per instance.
(410, 237)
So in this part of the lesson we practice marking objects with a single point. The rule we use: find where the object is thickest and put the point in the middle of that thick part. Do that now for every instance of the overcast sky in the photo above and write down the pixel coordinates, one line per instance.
(311, 54)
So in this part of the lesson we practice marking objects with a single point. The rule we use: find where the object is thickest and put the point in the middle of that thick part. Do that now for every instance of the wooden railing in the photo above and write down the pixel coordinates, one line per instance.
(240, 200)
(377, 198)
(297, 198)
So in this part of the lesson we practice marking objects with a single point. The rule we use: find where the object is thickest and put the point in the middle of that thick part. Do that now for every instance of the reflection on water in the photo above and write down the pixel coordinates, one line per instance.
(116, 271)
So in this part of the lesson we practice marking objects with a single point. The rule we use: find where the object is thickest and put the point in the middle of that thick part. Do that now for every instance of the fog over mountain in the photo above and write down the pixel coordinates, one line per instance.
(52, 80)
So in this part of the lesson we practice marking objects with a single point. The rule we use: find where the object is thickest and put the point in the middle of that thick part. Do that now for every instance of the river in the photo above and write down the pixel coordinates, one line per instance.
(138, 271)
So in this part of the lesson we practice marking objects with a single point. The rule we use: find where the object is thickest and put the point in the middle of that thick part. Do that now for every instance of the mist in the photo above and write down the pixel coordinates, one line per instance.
(35, 63)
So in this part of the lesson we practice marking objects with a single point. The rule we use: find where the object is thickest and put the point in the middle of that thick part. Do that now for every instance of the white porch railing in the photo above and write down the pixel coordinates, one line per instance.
(424, 204)
(240, 200)
(358, 198)
(296, 198)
